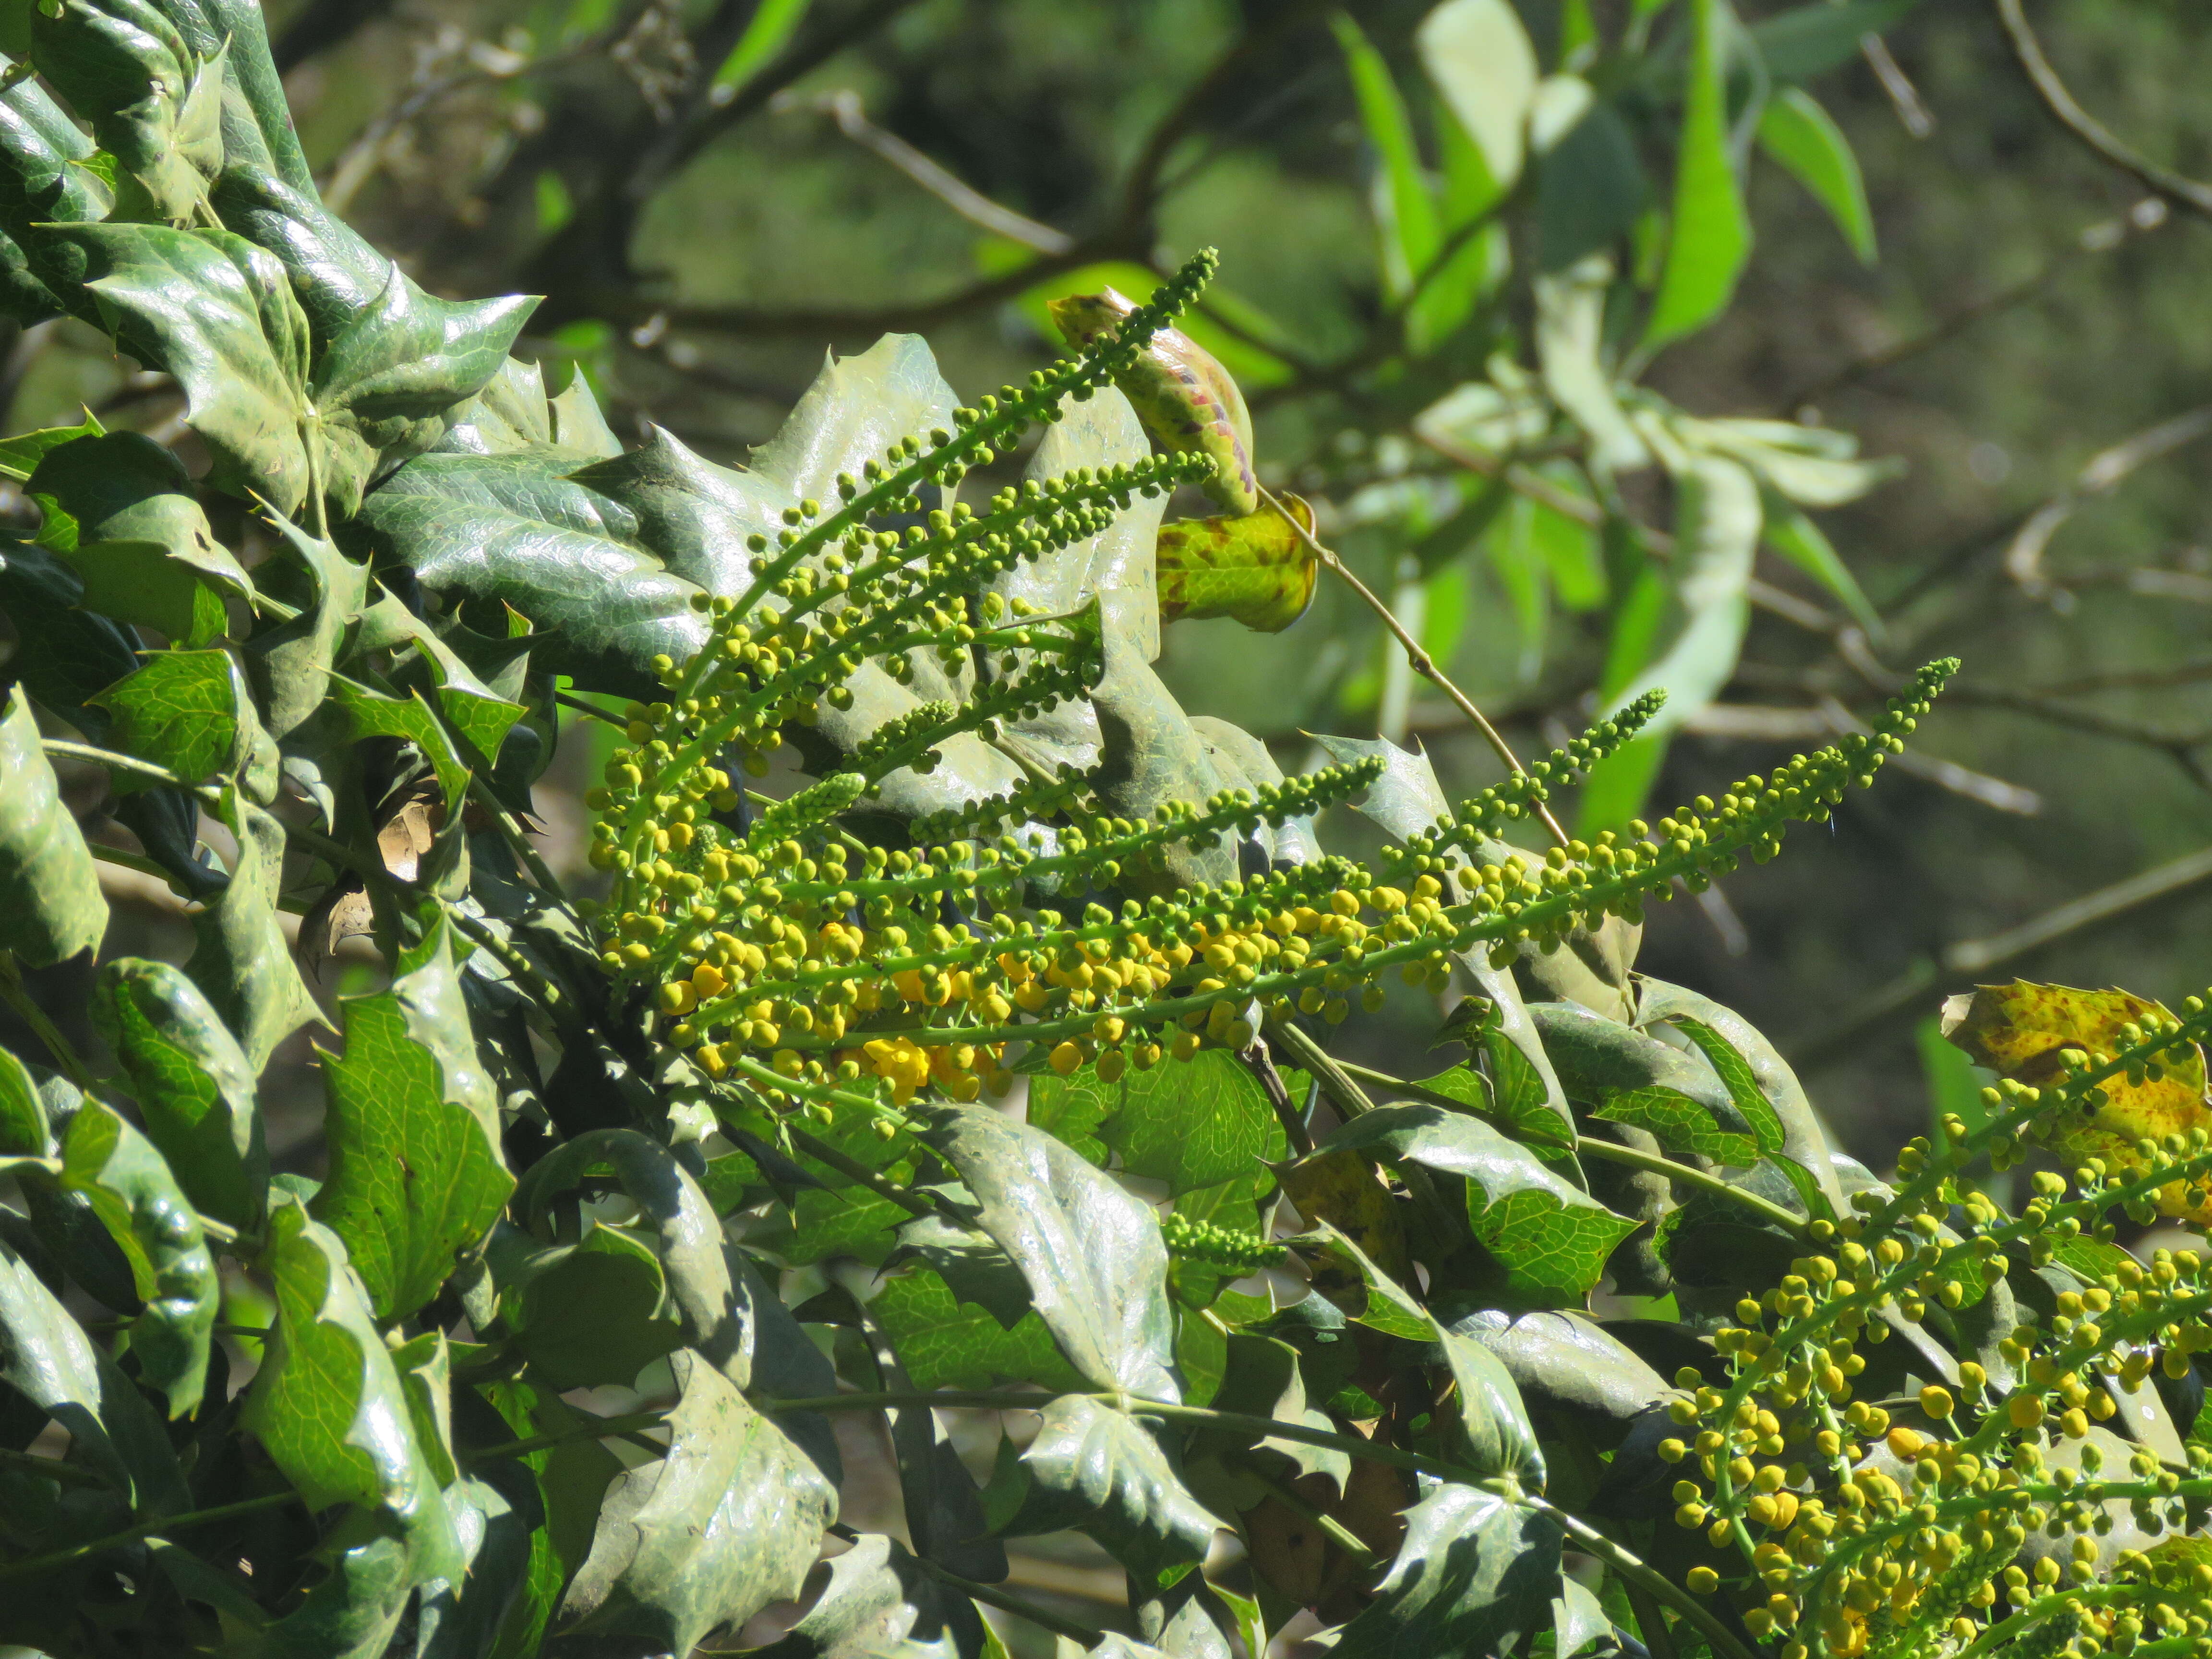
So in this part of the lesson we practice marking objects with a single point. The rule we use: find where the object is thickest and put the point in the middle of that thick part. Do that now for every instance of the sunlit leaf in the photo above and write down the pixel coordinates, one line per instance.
(1805, 140)
(51, 906)
(1710, 239)
(2018, 1030)
(1255, 569)
(1478, 54)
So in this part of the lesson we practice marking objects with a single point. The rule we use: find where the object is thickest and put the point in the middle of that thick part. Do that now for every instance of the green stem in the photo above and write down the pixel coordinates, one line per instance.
(1007, 1602)
(852, 1170)
(514, 834)
(1338, 1534)
(9, 1166)
(1591, 1541)
(595, 1428)
(1350, 1099)
(48, 1468)
(59, 1047)
(113, 762)
(32, 1565)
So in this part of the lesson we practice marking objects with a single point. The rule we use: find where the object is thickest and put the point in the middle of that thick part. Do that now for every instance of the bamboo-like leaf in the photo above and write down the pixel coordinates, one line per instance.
(1710, 239)
(194, 1086)
(1479, 55)
(1405, 208)
(51, 906)
(1805, 140)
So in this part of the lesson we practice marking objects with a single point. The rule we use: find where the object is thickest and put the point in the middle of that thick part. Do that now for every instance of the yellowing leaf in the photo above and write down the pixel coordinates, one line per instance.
(1255, 569)
(2018, 1030)
(1185, 399)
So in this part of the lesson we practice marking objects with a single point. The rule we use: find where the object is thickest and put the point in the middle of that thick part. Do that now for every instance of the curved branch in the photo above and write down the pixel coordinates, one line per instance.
(2175, 187)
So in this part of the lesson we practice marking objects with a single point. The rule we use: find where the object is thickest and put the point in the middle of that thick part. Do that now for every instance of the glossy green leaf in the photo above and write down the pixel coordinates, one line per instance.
(328, 1404)
(1256, 570)
(33, 574)
(23, 1128)
(590, 1315)
(416, 1178)
(193, 1084)
(970, 1263)
(187, 710)
(1478, 54)
(241, 962)
(362, 711)
(880, 1604)
(47, 1360)
(1091, 1251)
(149, 99)
(219, 314)
(1804, 1142)
(121, 508)
(354, 1611)
(43, 184)
(1710, 239)
(945, 1343)
(501, 1519)
(20, 455)
(1564, 1361)
(1263, 1378)
(1552, 1237)
(291, 664)
(1096, 1470)
(729, 1520)
(51, 906)
(1805, 142)
(132, 1190)
(1679, 1123)
(1192, 1125)
(512, 530)
(1475, 1574)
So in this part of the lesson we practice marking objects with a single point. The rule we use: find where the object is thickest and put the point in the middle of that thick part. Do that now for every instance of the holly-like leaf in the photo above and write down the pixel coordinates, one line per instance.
(151, 101)
(189, 711)
(132, 1190)
(121, 508)
(242, 963)
(51, 906)
(970, 1263)
(194, 1086)
(590, 1315)
(416, 1178)
(1476, 1574)
(1091, 1251)
(219, 314)
(1190, 1126)
(729, 1520)
(1552, 1237)
(945, 1343)
(1097, 1470)
(1256, 569)
(328, 1404)
(1150, 753)
(2018, 1030)
(113, 1433)
(880, 1604)
(365, 713)
(42, 183)
(514, 530)
(1566, 1361)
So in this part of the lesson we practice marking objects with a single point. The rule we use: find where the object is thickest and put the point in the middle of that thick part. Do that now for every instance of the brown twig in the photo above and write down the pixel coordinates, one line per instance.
(2177, 188)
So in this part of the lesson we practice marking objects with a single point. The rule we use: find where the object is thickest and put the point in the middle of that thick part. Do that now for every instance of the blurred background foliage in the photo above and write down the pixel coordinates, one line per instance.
(708, 193)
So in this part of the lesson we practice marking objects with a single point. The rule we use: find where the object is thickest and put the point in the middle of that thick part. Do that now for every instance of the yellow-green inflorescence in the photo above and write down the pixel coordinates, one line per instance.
(792, 956)
(1977, 1515)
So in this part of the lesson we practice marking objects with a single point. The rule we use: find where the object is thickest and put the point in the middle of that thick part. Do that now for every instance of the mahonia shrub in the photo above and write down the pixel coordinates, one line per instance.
(983, 1064)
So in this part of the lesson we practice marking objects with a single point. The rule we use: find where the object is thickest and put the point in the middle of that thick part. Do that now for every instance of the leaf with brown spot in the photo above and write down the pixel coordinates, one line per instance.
(2018, 1030)
(1255, 569)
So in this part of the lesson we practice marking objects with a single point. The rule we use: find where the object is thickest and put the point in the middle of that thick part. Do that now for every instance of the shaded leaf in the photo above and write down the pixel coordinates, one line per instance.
(1710, 239)
(1256, 570)
(121, 508)
(328, 1404)
(2018, 1030)
(946, 1344)
(241, 962)
(1091, 1251)
(1591, 189)
(51, 906)
(1099, 1471)
(880, 1604)
(194, 1086)
(727, 1522)
(45, 1357)
(354, 1611)
(970, 1263)
(1476, 1575)
(500, 1516)
(591, 1314)
(292, 663)
(1810, 39)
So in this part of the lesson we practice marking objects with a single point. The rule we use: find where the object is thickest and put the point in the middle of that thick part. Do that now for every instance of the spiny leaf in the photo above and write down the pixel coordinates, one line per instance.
(880, 1604)
(589, 1315)
(945, 1343)
(241, 962)
(1476, 1574)
(1255, 569)
(132, 1190)
(328, 1404)
(51, 906)
(194, 1086)
(729, 1520)
(2017, 1029)
(190, 711)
